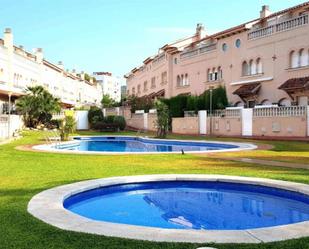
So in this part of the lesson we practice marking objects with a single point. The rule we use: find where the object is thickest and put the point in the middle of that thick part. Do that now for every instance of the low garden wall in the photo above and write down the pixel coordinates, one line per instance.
(186, 125)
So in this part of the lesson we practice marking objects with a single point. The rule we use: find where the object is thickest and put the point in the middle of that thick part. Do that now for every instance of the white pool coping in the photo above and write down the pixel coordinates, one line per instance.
(51, 147)
(48, 207)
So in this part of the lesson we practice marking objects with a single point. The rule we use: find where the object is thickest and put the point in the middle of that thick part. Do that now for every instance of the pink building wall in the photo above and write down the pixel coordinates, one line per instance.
(273, 50)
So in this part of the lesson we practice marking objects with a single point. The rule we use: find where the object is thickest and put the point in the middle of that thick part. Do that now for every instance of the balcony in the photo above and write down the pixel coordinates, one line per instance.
(279, 27)
(198, 51)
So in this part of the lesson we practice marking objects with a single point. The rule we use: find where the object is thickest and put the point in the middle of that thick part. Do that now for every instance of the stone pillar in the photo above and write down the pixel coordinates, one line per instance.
(246, 121)
(202, 121)
(145, 115)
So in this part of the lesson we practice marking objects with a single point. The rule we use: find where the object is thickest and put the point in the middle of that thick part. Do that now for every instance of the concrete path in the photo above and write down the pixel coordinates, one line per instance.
(265, 162)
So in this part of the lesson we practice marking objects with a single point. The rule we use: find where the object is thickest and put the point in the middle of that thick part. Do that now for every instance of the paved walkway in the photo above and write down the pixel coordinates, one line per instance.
(266, 162)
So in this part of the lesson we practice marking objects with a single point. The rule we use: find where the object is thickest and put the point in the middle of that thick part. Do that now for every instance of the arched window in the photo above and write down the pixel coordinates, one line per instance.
(252, 67)
(259, 67)
(245, 68)
(303, 57)
(209, 73)
(182, 80)
(220, 73)
(294, 59)
(186, 80)
(178, 80)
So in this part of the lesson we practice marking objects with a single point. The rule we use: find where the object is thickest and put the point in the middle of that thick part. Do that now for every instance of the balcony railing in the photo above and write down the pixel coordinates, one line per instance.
(279, 27)
(197, 51)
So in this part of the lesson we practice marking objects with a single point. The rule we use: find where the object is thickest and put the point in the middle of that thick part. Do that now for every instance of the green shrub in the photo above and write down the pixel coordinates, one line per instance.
(109, 119)
(120, 122)
(95, 115)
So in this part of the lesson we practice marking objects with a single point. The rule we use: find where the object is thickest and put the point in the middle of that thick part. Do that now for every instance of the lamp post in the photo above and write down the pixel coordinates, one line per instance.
(210, 109)
(9, 115)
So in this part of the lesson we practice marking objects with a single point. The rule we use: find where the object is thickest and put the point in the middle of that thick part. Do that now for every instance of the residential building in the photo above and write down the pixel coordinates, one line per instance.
(261, 62)
(110, 84)
(20, 69)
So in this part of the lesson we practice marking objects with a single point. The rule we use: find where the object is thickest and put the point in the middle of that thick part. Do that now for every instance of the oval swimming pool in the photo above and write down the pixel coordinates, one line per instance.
(200, 205)
(130, 144)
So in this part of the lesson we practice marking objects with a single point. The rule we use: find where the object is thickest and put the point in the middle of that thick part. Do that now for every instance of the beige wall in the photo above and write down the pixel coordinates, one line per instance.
(226, 126)
(186, 125)
(137, 121)
(152, 118)
(280, 126)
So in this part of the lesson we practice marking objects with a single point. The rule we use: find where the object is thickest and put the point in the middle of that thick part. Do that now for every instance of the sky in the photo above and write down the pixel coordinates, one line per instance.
(117, 35)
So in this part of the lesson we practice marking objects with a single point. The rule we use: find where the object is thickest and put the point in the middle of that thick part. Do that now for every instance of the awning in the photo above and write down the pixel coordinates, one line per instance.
(248, 90)
(152, 95)
(295, 85)
(160, 93)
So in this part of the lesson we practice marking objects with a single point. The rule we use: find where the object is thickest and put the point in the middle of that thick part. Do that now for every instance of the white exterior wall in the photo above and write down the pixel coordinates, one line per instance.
(110, 85)
(19, 70)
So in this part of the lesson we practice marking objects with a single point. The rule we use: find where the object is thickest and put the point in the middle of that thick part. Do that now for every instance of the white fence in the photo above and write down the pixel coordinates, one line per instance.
(283, 111)
(8, 127)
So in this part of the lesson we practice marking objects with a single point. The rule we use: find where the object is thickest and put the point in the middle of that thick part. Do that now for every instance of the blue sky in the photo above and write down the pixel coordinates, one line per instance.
(117, 35)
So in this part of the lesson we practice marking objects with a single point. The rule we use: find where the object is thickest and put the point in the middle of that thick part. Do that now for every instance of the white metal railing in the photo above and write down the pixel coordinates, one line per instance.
(227, 113)
(197, 51)
(279, 27)
(283, 111)
(292, 23)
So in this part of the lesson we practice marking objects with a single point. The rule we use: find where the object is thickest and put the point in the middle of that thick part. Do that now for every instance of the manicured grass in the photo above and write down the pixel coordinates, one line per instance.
(25, 173)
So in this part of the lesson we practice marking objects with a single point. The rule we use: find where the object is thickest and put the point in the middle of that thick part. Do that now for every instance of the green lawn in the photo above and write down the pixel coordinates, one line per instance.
(25, 173)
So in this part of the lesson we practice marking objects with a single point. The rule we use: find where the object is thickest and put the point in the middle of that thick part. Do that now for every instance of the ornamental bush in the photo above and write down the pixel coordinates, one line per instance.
(95, 115)
(120, 122)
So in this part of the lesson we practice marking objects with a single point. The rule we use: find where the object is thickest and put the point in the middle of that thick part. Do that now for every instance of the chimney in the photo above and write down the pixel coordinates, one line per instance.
(60, 65)
(82, 75)
(265, 12)
(8, 39)
(39, 55)
(200, 31)
(74, 72)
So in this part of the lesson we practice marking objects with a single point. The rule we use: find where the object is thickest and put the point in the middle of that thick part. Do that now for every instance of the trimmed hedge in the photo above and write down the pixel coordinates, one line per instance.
(178, 104)
(110, 123)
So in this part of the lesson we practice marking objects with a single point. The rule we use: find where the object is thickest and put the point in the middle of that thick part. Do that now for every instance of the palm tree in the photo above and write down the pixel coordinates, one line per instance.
(37, 106)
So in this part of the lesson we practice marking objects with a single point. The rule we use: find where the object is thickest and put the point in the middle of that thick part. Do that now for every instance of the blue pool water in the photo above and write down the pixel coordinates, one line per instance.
(192, 205)
(135, 144)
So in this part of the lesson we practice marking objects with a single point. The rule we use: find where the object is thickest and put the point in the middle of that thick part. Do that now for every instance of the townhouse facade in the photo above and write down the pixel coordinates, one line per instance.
(20, 69)
(261, 62)
(111, 85)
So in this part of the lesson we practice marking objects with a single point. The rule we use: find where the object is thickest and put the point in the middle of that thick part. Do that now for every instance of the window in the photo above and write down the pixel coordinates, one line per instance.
(164, 78)
(175, 60)
(245, 68)
(138, 89)
(186, 82)
(214, 74)
(133, 90)
(178, 81)
(259, 68)
(237, 43)
(294, 59)
(145, 86)
(252, 66)
(153, 82)
(224, 47)
(303, 58)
